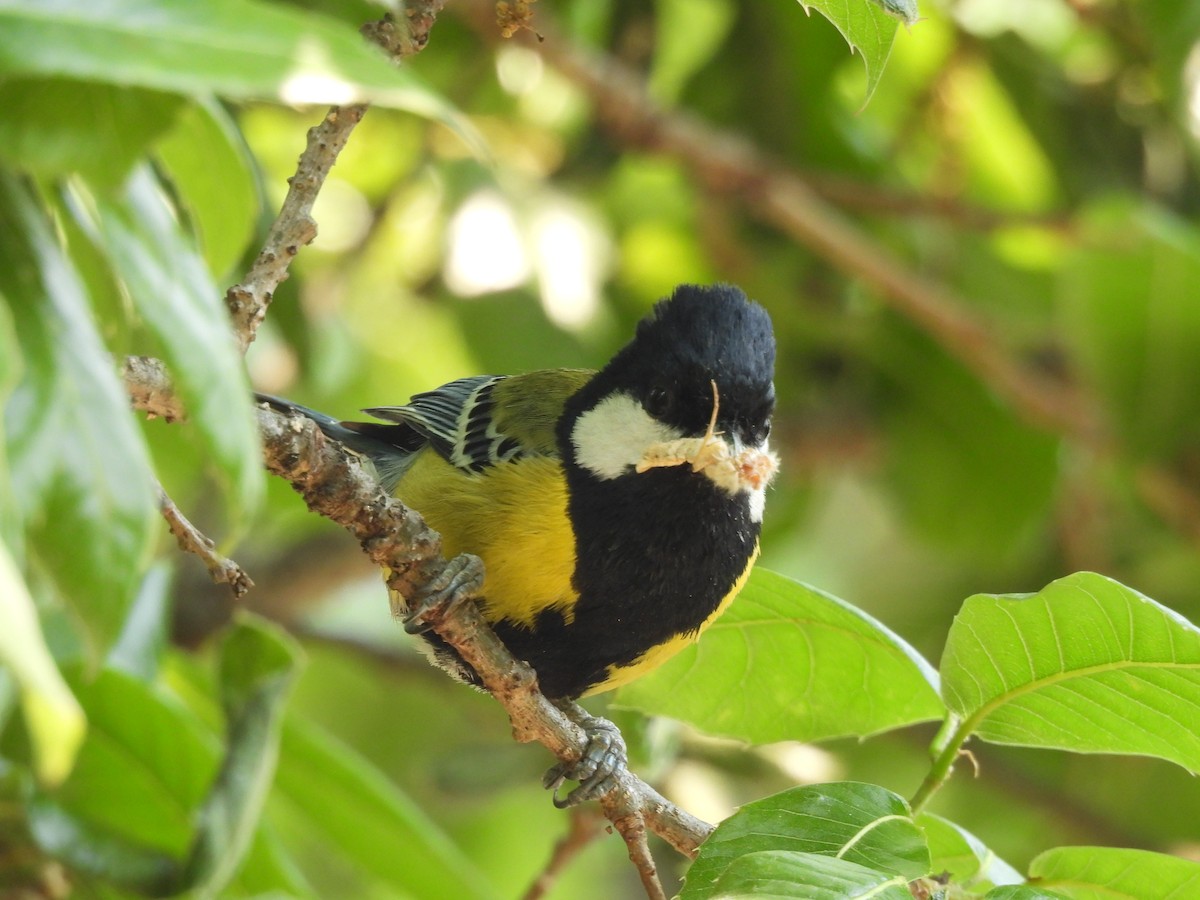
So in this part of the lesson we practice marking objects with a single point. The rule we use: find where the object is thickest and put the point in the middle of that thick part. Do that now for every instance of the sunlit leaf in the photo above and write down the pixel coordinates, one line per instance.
(81, 476)
(172, 290)
(866, 27)
(145, 634)
(56, 126)
(776, 664)
(1115, 873)
(859, 823)
(241, 49)
(55, 721)
(1086, 664)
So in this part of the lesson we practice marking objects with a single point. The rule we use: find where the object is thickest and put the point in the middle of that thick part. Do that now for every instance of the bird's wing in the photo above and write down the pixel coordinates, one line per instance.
(477, 422)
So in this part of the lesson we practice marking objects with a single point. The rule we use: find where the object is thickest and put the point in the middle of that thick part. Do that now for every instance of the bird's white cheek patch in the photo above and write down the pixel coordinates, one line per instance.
(614, 435)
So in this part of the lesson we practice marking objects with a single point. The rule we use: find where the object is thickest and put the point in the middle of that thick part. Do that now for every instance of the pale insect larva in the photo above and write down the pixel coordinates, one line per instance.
(904, 10)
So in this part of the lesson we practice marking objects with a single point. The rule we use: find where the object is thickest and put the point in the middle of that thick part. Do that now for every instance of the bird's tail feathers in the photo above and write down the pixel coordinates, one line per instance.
(390, 447)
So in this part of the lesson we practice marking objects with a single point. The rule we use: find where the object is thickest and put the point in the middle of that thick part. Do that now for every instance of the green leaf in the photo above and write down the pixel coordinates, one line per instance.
(144, 793)
(866, 28)
(964, 856)
(859, 823)
(145, 634)
(257, 665)
(775, 666)
(1086, 664)
(1112, 873)
(241, 49)
(55, 721)
(172, 290)
(55, 126)
(99, 854)
(348, 804)
(81, 475)
(213, 176)
(144, 768)
(788, 875)
(1022, 892)
(10, 366)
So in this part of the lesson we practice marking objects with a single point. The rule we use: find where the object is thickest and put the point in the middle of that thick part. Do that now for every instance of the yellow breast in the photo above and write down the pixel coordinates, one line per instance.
(514, 517)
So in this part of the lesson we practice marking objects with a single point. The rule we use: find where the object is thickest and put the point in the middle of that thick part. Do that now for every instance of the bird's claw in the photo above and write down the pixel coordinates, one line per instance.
(461, 578)
(597, 770)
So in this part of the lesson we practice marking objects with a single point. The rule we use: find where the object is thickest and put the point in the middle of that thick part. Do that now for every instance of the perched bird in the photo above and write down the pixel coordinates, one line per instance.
(616, 512)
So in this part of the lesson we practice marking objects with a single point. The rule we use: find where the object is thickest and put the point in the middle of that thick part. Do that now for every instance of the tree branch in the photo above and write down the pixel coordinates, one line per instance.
(585, 828)
(222, 569)
(293, 228)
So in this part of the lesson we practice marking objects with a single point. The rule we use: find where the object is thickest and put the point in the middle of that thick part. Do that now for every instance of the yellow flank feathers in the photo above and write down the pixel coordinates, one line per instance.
(514, 517)
(660, 653)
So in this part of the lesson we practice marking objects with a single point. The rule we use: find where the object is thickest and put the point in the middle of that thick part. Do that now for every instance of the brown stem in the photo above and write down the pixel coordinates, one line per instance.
(293, 228)
(191, 540)
(584, 829)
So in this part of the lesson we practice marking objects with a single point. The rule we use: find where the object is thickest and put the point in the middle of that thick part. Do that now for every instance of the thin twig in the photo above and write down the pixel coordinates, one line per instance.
(191, 540)
(150, 388)
(294, 227)
(584, 828)
(631, 825)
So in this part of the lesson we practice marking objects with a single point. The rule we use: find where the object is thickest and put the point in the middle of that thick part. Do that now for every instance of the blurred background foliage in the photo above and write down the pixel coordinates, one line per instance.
(1035, 162)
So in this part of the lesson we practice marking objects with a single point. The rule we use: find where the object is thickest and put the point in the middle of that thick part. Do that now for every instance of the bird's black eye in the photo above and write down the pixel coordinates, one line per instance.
(757, 432)
(657, 402)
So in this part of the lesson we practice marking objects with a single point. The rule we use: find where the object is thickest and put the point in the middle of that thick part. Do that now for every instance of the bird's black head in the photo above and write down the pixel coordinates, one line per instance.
(698, 335)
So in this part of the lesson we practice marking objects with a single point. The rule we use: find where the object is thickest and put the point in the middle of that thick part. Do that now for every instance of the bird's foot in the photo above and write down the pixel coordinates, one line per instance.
(461, 578)
(598, 769)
